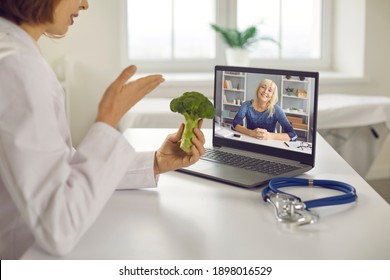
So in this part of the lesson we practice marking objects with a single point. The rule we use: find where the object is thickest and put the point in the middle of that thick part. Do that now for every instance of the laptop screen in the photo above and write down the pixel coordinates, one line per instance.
(268, 111)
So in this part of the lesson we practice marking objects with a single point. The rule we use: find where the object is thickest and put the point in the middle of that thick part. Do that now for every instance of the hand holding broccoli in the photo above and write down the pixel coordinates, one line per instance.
(170, 157)
(193, 106)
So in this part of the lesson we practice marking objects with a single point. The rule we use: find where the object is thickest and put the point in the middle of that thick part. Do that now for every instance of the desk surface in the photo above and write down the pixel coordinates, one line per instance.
(226, 132)
(188, 217)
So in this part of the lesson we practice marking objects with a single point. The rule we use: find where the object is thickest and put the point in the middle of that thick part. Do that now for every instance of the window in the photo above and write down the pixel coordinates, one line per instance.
(172, 35)
(295, 24)
(170, 29)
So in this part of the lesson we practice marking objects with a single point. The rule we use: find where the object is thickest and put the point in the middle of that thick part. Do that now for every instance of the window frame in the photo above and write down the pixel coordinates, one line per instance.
(226, 16)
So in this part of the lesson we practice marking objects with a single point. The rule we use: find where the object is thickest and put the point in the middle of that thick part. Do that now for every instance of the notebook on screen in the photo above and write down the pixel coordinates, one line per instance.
(244, 159)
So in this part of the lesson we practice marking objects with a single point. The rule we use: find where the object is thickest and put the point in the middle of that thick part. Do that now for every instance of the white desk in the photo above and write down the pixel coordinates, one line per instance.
(295, 146)
(192, 218)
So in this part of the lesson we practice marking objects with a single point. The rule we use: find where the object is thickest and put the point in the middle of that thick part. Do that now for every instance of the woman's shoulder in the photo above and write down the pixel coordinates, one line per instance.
(278, 108)
(247, 103)
(16, 41)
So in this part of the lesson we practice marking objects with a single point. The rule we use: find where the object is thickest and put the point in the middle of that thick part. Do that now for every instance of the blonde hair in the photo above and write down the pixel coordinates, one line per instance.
(274, 99)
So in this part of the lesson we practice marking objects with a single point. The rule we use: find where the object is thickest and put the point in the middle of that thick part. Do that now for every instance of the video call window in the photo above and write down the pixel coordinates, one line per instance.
(295, 101)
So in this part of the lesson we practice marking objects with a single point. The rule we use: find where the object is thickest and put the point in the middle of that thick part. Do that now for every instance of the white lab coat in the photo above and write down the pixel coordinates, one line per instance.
(49, 192)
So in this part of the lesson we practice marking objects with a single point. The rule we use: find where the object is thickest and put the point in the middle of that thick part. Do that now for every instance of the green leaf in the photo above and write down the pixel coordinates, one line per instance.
(237, 39)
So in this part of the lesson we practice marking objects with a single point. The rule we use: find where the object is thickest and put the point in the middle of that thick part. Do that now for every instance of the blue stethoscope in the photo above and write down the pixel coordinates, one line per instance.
(291, 209)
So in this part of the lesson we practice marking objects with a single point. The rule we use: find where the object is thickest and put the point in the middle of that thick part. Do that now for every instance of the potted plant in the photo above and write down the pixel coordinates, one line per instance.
(239, 42)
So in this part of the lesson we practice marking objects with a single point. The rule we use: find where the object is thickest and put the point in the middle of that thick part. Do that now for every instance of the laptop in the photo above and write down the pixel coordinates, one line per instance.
(241, 160)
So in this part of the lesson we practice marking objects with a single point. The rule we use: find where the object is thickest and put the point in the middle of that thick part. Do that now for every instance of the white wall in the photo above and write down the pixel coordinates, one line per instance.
(93, 45)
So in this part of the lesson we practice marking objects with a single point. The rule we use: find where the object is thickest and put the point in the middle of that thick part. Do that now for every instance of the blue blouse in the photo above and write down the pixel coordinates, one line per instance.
(255, 119)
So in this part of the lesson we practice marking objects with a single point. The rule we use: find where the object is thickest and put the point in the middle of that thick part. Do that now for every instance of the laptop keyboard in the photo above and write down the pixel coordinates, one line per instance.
(249, 163)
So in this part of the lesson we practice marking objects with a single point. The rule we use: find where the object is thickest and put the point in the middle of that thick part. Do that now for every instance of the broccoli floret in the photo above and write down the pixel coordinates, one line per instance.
(193, 106)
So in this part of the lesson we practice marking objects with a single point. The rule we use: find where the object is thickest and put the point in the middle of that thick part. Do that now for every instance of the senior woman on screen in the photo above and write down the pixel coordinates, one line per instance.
(262, 114)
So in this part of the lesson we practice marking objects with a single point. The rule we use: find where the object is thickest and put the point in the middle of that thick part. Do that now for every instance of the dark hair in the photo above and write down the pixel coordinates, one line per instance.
(28, 11)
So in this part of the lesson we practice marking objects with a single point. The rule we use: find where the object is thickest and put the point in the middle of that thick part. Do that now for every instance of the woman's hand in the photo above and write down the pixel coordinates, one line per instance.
(261, 134)
(121, 95)
(170, 157)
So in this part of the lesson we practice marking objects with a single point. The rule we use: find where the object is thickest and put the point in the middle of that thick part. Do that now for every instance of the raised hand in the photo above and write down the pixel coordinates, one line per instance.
(122, 95)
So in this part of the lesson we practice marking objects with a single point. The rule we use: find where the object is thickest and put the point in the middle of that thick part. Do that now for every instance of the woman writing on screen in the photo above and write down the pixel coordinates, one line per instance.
(262, 114)
(51, 193)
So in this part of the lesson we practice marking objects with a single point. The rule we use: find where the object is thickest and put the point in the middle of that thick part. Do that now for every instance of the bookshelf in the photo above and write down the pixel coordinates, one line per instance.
(233, 95)
(295, 103)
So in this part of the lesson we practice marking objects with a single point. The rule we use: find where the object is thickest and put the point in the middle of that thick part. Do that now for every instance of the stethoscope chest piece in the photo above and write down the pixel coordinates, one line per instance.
(291, 209)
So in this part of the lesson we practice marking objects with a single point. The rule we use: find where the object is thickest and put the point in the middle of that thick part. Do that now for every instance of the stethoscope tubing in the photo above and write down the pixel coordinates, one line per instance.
(349, 191)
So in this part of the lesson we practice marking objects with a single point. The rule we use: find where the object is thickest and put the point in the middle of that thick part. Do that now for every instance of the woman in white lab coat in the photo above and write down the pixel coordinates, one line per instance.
(49, 192)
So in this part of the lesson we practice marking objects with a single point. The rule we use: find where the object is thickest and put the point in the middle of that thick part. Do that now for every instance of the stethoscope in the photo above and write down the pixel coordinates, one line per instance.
(291, 209)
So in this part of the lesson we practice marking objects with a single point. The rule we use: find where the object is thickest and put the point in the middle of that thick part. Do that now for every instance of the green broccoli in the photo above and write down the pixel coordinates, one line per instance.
(194, 106)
